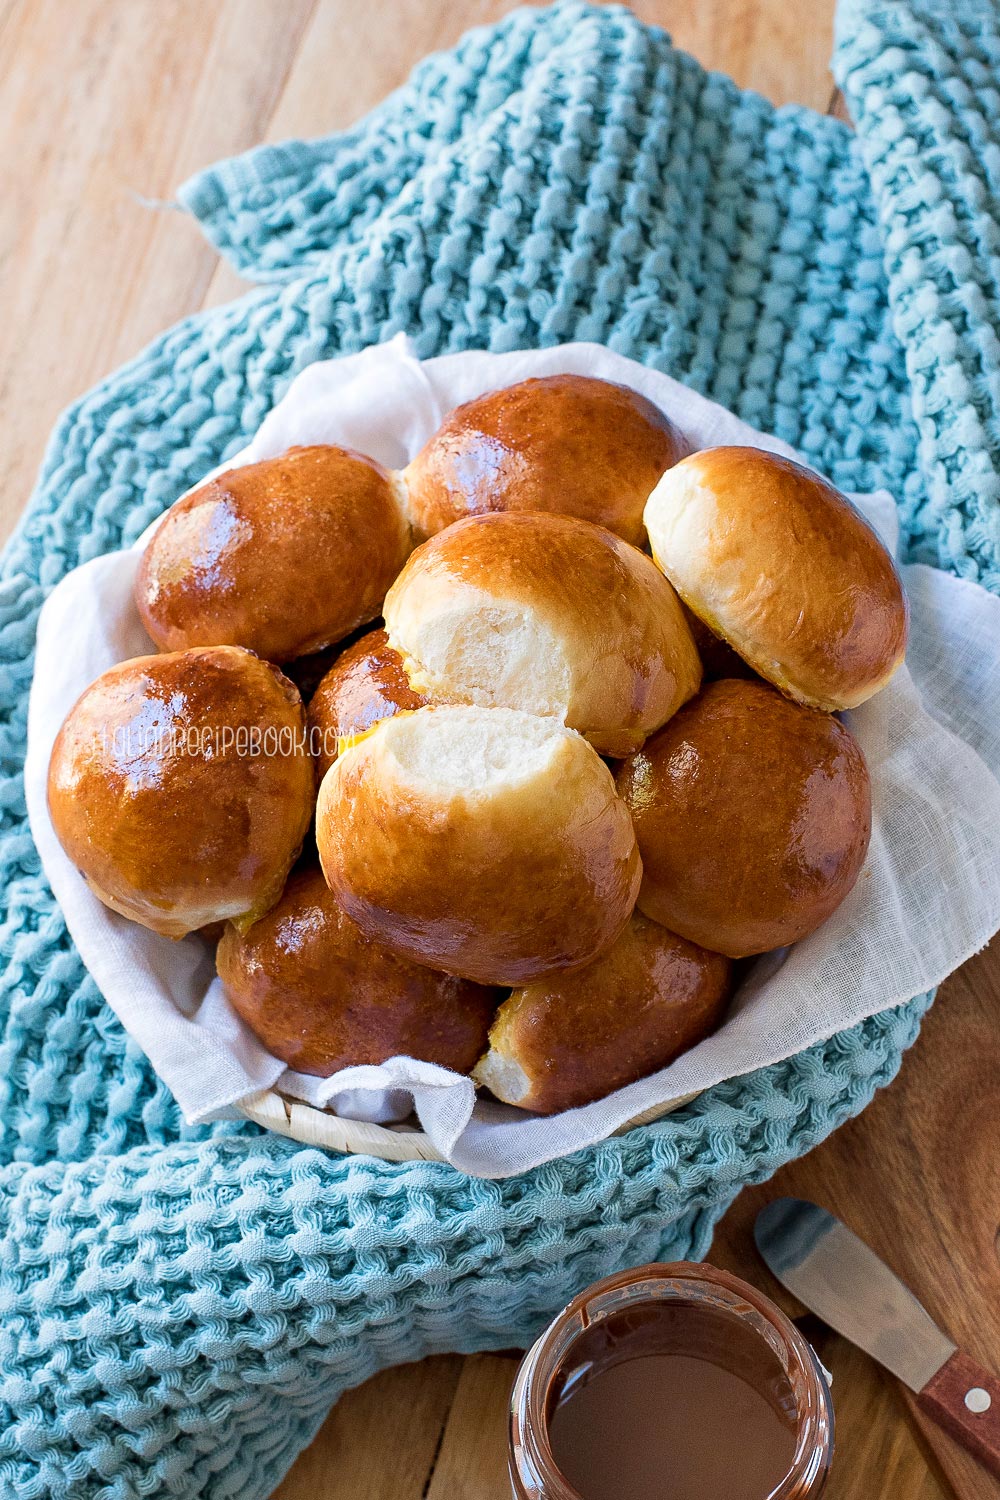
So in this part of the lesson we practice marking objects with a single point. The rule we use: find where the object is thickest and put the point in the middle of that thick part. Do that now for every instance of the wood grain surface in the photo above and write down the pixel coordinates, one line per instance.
(105, 106)
(916, 1175)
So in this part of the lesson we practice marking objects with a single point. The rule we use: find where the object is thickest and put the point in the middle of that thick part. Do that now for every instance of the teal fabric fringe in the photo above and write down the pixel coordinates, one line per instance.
(179, 1307)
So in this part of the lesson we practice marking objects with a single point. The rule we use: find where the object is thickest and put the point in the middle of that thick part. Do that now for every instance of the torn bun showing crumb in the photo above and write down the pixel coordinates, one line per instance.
(548, 615)
(484, 842)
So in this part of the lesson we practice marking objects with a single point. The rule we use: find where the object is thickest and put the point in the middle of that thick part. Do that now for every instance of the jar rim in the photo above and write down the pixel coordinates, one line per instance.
(533, 1464)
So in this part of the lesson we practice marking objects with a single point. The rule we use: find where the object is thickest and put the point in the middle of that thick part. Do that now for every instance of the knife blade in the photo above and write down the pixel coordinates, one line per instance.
(838, 1277)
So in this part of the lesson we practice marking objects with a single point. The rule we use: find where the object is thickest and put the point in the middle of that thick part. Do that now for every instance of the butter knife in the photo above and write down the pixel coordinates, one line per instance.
(840, 1279)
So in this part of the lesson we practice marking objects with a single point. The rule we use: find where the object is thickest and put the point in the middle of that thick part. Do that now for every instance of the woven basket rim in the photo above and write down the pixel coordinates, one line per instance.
(400, 1142)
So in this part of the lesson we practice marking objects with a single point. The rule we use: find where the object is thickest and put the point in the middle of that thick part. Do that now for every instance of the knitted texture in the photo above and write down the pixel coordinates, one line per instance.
(179, 1307)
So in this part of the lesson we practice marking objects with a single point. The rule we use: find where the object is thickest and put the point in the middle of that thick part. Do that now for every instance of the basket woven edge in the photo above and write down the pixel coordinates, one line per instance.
(318, 1127)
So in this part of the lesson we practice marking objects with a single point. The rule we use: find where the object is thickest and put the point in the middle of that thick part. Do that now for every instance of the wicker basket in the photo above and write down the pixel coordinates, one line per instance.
(403, 1142)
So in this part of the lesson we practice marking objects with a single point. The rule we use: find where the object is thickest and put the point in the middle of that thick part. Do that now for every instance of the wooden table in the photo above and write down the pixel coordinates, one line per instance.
(106, 107)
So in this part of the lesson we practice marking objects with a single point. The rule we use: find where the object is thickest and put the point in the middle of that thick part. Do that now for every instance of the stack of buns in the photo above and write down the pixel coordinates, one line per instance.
(524, 826)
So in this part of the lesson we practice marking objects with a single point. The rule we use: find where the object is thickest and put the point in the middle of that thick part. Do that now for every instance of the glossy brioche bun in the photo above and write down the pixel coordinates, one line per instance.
(546, 614)
(484, 842)
(163, 802)
(565, 443)
(365, 685)
(781, 565)
(322, 996)
(282, 556)
(753, 817)
(571, 1038)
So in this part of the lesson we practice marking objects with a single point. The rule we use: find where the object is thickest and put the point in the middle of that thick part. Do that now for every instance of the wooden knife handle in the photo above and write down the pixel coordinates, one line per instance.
(964, 1400)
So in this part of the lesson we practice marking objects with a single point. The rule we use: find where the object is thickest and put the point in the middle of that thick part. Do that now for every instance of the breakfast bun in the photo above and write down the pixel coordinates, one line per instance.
(565, 443)
(563, 1041)
(546, 614)
(572, 748)
(284, 556)
(753, 817)
(321, 996)
(365, 685)
(781, 565)
(181, 787)
(485, 842)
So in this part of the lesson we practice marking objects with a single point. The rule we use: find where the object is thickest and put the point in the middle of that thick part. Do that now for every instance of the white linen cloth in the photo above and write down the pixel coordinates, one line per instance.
(928, 897)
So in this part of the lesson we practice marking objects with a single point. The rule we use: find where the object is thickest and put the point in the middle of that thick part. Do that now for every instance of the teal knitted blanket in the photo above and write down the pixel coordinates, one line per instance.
(179, 1306)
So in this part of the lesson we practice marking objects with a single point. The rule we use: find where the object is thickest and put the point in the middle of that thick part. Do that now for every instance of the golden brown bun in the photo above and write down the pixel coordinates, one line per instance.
(565, 443)
(163, 802)
(753, 817)
(546, 614)
(781, 565)
(564, 1041)
(365, 684)
(484, 842)
(321, 996)
(282, 556)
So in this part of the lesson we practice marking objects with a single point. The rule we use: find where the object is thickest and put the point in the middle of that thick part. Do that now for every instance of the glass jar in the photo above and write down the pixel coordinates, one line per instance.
(680, 1309)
